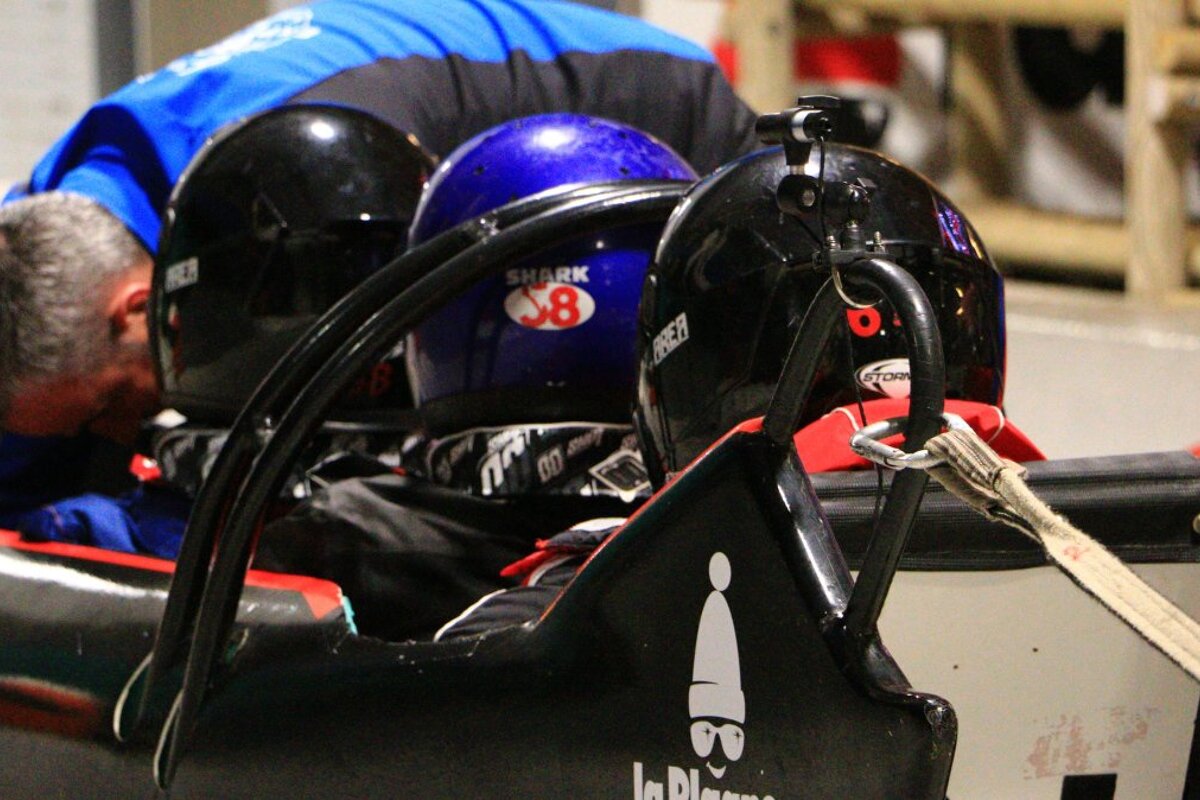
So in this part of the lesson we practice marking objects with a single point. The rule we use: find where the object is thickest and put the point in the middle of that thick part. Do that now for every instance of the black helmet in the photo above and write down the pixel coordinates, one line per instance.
(734, 275)
(276, 218)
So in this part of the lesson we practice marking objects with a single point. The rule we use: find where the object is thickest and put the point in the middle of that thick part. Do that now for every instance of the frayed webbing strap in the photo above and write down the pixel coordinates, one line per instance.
(996, 488)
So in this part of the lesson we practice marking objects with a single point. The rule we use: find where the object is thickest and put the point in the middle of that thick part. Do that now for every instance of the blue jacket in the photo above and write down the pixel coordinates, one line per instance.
(44, 494)
(442, 71)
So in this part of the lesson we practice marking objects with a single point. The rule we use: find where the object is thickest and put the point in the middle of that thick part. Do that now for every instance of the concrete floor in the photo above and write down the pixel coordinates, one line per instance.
(1092, 373)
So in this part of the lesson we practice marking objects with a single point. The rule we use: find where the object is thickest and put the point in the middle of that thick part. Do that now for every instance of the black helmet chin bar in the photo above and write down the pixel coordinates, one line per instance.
(291, 402)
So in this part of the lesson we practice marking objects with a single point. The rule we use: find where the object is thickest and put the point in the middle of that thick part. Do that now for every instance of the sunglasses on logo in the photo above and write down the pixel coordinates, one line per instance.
(705, 733)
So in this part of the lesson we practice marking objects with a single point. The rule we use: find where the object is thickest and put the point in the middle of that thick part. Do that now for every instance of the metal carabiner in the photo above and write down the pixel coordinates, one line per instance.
(867, 442)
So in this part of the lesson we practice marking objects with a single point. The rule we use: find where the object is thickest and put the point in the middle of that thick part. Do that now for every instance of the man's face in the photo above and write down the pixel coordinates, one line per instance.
(113, 398)
(55, 407)
(111, 402)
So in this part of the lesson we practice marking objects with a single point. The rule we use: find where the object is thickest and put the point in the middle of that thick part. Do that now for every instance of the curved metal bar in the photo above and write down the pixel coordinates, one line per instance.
(927, 376)
(218, 604)
(800, 369)
(281, 385)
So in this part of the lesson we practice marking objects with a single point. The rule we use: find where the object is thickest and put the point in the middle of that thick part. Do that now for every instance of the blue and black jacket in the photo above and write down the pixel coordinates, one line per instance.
(442, 71)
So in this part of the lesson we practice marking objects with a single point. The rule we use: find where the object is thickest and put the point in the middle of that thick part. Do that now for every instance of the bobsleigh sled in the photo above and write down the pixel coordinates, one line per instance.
(717, 646)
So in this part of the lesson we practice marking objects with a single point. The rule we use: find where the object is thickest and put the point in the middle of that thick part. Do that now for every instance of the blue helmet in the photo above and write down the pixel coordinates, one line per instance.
(553, 338)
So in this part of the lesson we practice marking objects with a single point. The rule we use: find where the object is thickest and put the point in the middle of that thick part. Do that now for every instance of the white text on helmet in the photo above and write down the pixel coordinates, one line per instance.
(891, 377)
(674, 334)
(520, 277)
(585, 441)
(182, 274)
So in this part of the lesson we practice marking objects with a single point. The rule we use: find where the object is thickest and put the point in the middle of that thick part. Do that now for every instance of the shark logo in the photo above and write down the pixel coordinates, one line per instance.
(715, 701)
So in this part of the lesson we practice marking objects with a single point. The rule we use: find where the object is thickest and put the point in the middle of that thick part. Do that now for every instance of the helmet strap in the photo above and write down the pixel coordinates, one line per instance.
(568, 458)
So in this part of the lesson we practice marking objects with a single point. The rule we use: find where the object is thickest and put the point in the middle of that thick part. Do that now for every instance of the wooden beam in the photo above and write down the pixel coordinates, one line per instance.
(1156, 159)
(762, 30)
(1173, 100)
(1178, 51)
(978, 124)
(1024, 235)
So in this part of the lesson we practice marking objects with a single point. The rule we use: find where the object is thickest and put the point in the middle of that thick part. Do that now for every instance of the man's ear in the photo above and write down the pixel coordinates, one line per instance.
(128, 307)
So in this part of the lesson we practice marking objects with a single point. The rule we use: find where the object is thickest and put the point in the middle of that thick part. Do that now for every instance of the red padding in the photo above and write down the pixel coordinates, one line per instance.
(322, 596)
(824, 445)
(41, 705)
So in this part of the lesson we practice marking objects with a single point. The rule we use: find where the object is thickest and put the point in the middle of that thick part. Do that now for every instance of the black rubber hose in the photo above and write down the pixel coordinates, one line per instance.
(218, 605)
(800, 368)
(291, 373)
(869, 277)
(927, 375)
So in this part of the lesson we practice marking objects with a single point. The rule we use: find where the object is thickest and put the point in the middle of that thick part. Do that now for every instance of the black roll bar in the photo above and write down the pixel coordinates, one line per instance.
(237, 491)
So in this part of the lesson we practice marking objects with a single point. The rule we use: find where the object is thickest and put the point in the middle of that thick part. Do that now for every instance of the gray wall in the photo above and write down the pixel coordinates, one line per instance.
(1090, 373)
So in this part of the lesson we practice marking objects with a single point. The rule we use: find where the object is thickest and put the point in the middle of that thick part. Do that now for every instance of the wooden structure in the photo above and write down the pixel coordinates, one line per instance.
(1153, 248)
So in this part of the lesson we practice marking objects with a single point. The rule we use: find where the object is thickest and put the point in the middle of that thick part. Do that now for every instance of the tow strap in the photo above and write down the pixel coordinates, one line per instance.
(995, 487)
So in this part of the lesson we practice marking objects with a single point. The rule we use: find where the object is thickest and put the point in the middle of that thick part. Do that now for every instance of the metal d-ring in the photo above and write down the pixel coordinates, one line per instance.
(868, 443)
(841, 290)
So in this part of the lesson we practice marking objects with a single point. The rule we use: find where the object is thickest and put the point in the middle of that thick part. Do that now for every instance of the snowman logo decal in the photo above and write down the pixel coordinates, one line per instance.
(716, 703)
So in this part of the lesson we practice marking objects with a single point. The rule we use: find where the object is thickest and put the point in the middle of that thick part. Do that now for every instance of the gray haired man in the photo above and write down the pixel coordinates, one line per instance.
(73, 334)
